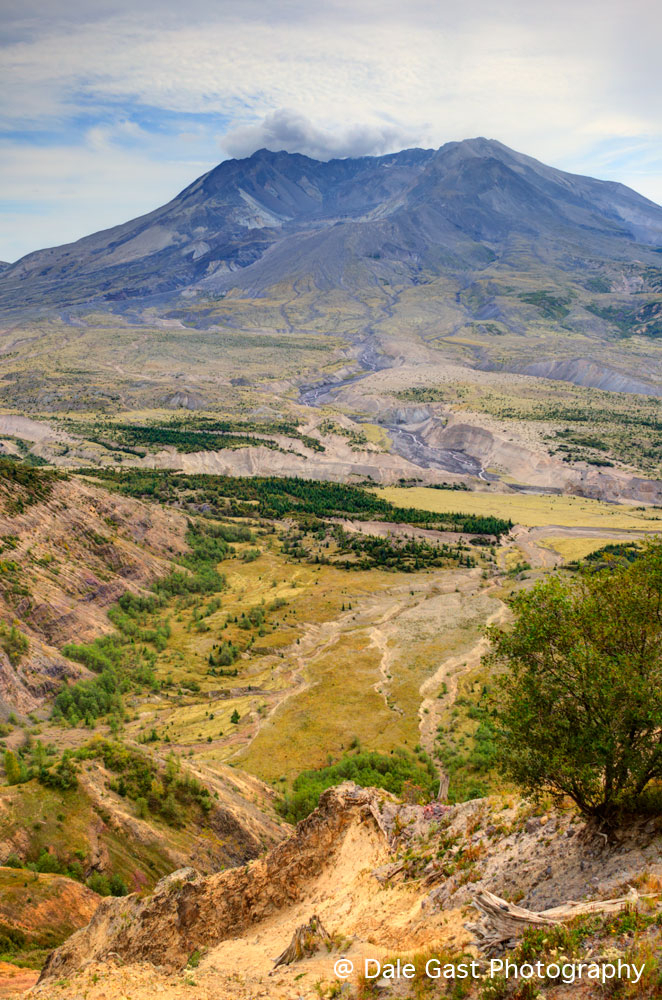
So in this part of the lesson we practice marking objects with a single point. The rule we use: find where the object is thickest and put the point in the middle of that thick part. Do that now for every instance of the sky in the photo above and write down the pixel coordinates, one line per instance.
(110, 107)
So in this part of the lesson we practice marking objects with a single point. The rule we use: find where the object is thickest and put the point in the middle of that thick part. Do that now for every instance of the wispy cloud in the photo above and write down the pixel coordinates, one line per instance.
(134, 101)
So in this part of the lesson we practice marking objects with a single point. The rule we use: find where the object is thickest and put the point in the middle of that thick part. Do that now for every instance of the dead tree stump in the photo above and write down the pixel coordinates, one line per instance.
(306, 940)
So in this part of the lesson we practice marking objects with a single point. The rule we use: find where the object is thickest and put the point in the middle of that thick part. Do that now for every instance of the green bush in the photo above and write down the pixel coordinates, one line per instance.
(99, 883)
(63, 775)
(13, 642)
(369, 769)
(118, 886)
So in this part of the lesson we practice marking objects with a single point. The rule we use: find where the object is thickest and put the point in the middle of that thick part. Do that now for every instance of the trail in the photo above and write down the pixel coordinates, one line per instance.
(449, 672)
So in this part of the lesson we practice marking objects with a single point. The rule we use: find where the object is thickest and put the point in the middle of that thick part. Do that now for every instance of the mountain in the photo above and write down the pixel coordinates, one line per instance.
(275, 216)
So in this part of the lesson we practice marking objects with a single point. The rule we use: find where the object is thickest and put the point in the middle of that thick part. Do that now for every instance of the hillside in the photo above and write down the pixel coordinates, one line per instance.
(385, 880)
(68, 552)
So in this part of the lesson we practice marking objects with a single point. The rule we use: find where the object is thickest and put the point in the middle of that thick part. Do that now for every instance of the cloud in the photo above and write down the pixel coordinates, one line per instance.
(293, 132)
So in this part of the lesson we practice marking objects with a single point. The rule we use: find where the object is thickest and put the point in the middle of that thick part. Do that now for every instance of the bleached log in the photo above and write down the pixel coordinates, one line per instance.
(503, 923)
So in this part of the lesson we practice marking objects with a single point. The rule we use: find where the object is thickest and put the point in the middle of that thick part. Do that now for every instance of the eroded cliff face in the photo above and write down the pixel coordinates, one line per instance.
(64, 558)
(384, 878)
(188, 912)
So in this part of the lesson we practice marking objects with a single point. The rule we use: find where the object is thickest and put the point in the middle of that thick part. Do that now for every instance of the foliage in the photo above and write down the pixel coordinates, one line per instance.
(389, 771)
(551, 306)
(580, 710)
(13, 770)
(62, 775)
(104, 886)
(275, 498)
(168, 793)
(355, 550)
(24, 484)
(609, 556)
(123, 659)
(643, 319)
(131, 437)
(469, 762)
(98, 882)
(13, 642)
(194, 433)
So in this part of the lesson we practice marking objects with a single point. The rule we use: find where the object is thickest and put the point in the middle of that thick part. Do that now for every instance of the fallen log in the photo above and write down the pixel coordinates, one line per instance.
(503, 923)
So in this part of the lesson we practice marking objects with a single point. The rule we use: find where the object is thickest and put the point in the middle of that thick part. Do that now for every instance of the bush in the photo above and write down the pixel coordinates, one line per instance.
(581, 702)
(13, 642)
(393, 772)
(13, 769)
(118, 886)
(63, 775)
(47, 863)
(99, 883)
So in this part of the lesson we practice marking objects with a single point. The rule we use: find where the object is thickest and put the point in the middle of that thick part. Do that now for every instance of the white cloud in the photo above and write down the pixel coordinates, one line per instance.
(292, 131)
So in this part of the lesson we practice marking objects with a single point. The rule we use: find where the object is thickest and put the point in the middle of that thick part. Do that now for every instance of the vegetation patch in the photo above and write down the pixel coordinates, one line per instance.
(399, 772)
(579, 702)
(551, 306)
(22, 484)
(276, 498)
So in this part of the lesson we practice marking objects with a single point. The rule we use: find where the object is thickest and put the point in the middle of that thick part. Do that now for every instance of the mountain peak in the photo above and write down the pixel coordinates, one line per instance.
(461, 204)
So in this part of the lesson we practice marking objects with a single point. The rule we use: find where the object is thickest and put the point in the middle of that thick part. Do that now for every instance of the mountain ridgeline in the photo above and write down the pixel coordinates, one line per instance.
(403, 218)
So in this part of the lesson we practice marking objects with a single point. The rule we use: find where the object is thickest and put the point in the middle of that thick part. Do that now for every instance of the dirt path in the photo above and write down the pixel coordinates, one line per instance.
(449, 673)
(537, 555)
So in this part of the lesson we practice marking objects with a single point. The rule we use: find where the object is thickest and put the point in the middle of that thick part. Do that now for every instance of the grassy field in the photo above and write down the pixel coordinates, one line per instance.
(574, 548)
(529, 509)
(338, 656)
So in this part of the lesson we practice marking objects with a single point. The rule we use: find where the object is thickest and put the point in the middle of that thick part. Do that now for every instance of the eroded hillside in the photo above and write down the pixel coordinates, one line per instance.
(385, 880)
(250, 643)
(68, 551)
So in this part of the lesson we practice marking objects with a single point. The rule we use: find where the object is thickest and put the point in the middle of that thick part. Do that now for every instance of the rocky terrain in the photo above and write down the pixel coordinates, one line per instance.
(251, 224)
(383, 878)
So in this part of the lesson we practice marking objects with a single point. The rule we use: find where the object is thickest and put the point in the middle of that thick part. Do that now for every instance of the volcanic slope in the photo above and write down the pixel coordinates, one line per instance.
(256, 222)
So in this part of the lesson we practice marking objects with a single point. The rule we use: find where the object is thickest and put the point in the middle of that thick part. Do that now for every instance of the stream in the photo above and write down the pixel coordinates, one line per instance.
(405, 442)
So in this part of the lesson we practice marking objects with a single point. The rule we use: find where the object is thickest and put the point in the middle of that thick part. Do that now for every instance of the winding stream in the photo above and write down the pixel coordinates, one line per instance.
(405, 442)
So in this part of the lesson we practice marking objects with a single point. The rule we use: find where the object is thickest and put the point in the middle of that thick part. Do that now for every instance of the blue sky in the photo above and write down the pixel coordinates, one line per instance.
(111, 107)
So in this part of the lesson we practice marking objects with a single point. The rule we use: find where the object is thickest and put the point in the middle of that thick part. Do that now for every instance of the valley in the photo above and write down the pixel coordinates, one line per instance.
(289, 655)
(274, 459)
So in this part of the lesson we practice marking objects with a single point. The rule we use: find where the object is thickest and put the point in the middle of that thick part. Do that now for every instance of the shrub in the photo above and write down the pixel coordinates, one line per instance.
(13, 642)
(99, 883)
(13, 769)
(63, 775)
(118, 886)
(393, 772)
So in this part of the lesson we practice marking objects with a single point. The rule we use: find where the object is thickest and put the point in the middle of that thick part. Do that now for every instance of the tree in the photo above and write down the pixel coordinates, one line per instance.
(580, 704)
(12, 768)
(235, 717)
